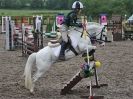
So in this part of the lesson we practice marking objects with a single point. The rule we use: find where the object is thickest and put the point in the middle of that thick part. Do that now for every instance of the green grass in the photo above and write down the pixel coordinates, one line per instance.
(4, 12)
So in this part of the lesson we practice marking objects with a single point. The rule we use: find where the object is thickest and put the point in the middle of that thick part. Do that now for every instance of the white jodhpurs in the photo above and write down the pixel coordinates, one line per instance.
(64, 33)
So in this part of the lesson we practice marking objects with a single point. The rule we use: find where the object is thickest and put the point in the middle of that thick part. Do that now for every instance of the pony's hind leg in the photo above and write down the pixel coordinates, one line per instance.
(41, 69)
(36, 76)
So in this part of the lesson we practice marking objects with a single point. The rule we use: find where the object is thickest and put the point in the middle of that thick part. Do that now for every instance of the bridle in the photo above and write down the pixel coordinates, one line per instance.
(101, 35)
(92, 37)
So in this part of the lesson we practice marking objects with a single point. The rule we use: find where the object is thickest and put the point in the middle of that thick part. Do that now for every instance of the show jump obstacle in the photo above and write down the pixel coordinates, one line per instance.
(91, 71)
(36, 42)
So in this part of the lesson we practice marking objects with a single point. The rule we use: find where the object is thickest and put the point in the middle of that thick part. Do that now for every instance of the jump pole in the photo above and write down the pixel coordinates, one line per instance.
(9, 43)
(97, 85)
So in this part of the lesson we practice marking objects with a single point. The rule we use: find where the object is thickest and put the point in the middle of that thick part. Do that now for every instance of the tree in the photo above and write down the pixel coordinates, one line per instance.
(92, 7)
(18, 4)
(25, 3)
(37, 4)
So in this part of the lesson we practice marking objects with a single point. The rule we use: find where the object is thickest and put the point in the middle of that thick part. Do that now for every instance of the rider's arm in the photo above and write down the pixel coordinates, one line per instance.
(72, 20)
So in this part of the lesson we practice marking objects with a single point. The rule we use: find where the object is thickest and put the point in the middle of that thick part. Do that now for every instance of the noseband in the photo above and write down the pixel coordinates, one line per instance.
(101, 35)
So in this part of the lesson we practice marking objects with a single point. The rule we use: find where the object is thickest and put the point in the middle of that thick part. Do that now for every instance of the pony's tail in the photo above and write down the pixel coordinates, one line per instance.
(27, 71)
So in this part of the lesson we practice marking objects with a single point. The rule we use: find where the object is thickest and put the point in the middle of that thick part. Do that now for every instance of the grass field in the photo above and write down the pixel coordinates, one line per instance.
(4, 12)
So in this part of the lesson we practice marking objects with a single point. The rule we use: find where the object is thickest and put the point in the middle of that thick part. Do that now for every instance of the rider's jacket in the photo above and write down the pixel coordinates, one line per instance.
(71, 20)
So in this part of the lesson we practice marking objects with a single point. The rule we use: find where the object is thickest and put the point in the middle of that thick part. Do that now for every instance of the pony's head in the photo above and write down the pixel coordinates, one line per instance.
(97, 32)
(77, 38)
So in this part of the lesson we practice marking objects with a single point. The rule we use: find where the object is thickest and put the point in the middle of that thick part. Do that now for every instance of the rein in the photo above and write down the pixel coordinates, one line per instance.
(91, 37)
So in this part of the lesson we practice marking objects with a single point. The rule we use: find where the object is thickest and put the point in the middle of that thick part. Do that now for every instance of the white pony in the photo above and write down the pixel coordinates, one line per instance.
(44, 58)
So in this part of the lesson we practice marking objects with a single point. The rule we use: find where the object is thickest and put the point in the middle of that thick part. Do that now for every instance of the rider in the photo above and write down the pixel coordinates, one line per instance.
(70, 20)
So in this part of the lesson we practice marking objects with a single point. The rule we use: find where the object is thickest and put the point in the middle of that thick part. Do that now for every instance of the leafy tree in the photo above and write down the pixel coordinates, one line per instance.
(18, 4)
(92, 7)
(37, 4)
(25, 3)
(1, 3)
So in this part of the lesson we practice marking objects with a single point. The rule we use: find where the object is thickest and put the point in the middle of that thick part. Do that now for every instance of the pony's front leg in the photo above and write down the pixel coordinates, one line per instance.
(91, 47)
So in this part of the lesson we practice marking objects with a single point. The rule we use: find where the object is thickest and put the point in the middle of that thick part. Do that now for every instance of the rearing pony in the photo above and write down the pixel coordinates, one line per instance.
(46, 57)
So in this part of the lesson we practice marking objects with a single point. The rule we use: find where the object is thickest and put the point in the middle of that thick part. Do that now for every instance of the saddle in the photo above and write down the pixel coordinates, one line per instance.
(56, 43)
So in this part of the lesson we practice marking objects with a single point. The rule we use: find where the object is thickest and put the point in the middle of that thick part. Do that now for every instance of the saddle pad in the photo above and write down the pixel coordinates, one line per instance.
(56, 50)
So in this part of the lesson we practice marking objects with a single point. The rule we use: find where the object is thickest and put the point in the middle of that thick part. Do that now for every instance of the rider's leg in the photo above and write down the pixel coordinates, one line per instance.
(62, 52)
(64, 35)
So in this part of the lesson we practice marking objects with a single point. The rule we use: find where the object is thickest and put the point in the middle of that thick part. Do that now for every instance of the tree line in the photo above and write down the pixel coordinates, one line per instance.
(92, 7)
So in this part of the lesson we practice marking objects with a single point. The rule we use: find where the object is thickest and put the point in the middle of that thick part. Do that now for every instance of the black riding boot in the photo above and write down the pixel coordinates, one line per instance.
(62, 52)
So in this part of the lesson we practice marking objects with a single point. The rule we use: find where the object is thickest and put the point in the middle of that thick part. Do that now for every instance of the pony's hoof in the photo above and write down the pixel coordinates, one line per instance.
(102, 45)
(94, 47)
(32, 91)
